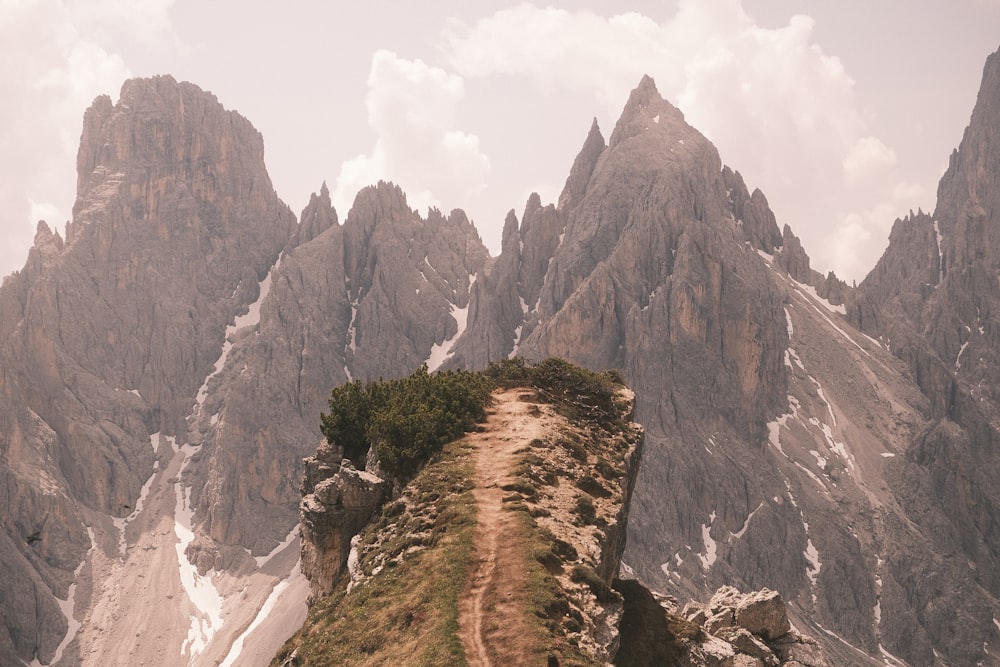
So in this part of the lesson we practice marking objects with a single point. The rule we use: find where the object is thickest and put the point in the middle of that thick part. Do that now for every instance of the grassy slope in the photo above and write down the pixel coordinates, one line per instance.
(417, 558)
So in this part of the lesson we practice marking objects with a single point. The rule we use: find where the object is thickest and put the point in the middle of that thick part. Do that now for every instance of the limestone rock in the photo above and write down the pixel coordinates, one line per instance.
(763, 613)
(752, 213)
(334, 509)
(109, 333)
(718, 621)
(745, 642)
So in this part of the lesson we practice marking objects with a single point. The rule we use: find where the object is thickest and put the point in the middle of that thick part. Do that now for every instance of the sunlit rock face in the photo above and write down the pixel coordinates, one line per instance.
(832, 444)
(934, 299)
(109, 333)
(182, 341)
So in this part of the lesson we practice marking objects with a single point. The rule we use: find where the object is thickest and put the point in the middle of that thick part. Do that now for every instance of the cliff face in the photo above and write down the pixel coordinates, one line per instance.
(933, 299)
(769, 417)
(108, 333)
(180, 343)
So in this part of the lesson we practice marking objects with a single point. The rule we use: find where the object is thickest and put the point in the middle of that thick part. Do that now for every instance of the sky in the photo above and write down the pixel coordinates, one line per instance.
(842, 113)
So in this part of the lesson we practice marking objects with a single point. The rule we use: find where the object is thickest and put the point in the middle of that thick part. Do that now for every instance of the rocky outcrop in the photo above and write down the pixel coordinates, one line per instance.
(731, 630)
(337, 502)
(531, 508)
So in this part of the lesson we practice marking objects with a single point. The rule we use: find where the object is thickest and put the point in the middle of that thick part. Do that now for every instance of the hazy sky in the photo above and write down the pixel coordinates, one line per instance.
(843, 113)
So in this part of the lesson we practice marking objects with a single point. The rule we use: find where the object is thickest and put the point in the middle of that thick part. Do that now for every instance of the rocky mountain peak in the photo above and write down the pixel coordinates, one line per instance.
(47, 244)
(583, 167)
(317, 217)
(645, 110)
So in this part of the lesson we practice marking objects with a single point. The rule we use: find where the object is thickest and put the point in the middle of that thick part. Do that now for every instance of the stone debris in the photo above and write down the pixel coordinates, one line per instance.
(745, 630)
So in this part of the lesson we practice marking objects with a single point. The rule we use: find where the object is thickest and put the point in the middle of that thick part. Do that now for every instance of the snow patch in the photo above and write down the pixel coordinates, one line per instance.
(813, 476)
(774, 428)
(122, 522)
(746, 523)
(68, 605)
(520, 327)
(711, 548)
(811, 291)
(248, 319)
(820, 460)
(204, 596)
(788, 324)
(440, 353)
(272, 600)
(767, 257)
(656, 119)
(887, 455)
(937, 236)
(958, 359)
(890, 659)
(812, 555)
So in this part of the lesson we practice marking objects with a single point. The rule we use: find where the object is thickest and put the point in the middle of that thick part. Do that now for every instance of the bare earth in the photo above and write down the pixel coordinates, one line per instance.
(492, 611)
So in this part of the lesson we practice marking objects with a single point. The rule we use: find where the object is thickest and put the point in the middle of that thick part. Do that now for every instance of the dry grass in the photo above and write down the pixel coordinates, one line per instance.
(408, 614)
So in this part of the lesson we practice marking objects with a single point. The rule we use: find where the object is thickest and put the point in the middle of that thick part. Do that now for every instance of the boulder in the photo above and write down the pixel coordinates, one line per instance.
(763, 613)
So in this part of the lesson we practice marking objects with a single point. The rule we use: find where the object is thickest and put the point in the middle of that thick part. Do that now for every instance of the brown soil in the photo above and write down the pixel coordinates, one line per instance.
(493, 611)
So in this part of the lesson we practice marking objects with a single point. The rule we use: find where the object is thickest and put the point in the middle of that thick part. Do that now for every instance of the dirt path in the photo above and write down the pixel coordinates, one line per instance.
(492, 612)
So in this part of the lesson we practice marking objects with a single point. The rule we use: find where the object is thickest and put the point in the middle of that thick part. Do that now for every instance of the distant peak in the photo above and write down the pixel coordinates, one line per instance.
(583, 166)
(645, 108)
(647, 88)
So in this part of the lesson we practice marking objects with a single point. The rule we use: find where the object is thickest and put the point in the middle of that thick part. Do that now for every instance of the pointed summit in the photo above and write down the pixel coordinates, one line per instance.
(646, 90)
(317, 217)
(645, 109)
(583, 167)
(967, 193)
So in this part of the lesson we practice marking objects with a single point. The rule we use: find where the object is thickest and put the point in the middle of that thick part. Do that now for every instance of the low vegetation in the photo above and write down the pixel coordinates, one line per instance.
(408, 420)
(415, 555)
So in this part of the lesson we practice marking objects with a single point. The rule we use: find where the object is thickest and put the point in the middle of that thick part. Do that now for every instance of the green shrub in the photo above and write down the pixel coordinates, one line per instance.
(408, 420)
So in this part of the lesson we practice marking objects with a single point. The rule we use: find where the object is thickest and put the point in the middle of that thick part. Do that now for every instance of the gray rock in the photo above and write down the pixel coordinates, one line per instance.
(718, 621)
(763, 613)
(746, 643)
(334, 510)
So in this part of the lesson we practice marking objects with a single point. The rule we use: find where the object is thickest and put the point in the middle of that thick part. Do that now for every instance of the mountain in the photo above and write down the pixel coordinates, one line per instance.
(164, 366)
(164, 369)
(801, 436)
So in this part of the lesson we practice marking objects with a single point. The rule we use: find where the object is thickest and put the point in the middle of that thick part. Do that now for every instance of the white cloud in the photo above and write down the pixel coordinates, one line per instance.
(779, 109)
(55, 57)
(412, 107)
(867, 160)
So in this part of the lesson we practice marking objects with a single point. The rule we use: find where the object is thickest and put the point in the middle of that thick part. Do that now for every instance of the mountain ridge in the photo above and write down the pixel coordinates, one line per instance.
(162, 364)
